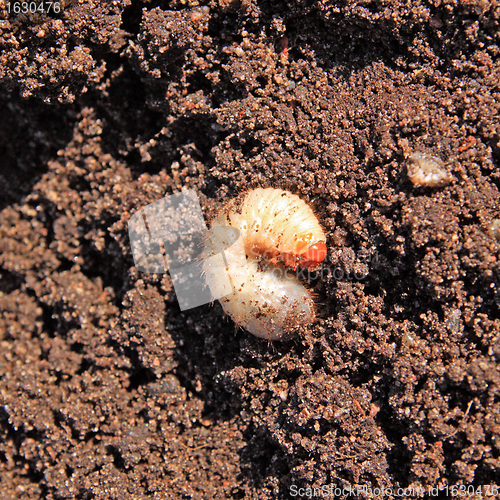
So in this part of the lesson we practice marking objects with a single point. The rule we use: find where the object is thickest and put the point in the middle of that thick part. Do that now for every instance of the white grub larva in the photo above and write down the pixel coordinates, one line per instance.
(277, 231)
(427, 171)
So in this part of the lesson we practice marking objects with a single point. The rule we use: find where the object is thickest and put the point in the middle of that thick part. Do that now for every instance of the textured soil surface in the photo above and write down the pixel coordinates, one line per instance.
(107, 389)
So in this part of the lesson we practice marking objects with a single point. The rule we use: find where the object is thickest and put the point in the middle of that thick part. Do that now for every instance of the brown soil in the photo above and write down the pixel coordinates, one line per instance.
(107, 390)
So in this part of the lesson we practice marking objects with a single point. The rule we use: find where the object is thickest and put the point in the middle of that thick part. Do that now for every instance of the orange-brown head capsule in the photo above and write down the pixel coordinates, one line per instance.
(313, 256)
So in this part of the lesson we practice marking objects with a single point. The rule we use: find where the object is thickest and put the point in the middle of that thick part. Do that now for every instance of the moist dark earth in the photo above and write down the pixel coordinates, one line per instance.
(108, 390)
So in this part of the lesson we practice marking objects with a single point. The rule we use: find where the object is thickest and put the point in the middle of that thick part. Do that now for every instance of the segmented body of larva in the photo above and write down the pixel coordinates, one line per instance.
(277, 231)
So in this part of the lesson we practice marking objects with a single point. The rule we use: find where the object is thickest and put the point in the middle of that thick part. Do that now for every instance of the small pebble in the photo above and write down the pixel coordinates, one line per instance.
(494, 229)
(427, 171)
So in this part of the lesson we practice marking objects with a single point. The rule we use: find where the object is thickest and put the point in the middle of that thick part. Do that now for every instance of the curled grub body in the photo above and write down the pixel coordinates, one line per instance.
(277, 231)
